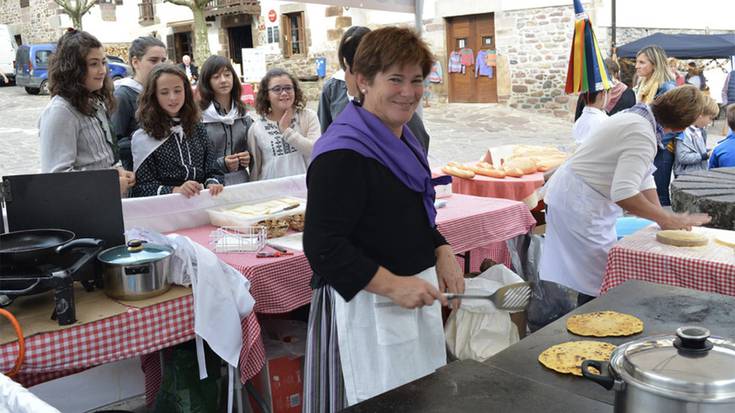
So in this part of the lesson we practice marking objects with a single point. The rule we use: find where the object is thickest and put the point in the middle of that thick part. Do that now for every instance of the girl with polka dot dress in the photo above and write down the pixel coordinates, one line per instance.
(171, 152)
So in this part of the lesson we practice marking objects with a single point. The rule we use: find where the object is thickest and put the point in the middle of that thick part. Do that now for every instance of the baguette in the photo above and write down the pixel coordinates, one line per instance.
(458, 172)
(485, 169)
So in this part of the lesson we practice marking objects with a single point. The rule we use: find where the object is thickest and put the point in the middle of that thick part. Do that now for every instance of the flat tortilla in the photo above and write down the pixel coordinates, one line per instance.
(604, 324)
(681, 238)
(567, 357)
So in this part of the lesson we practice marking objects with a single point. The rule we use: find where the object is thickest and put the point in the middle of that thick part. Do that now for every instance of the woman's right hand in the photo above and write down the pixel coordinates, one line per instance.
(188, 188)
(414, 292)
(684, 221)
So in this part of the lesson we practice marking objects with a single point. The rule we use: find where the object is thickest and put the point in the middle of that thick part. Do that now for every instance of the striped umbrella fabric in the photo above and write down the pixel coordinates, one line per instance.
(586, 71)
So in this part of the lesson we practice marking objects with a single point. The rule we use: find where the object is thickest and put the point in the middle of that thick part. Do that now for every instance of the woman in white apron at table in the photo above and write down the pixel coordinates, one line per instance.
(379, 262)
(611, 172)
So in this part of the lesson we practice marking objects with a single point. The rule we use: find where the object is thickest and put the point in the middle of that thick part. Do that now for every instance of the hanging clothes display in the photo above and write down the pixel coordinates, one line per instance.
(481, 67)
(455, 63)
(436, 75)
(467, 57)
(491, 58)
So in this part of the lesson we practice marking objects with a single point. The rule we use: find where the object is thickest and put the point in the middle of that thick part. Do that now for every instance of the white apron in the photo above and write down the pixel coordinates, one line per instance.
(383, 346)
(580, 230)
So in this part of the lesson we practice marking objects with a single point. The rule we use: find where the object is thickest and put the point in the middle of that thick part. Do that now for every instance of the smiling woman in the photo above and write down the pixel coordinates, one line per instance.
(75, 127)
(379, 262)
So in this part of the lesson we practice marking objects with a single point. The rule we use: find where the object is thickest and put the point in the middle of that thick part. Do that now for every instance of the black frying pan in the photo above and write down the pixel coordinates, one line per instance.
(38, 246)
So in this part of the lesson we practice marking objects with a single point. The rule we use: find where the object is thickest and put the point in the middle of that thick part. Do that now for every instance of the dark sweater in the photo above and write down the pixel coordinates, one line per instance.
(333, 100)
(124, 123)
(360, 216)
(177, 161)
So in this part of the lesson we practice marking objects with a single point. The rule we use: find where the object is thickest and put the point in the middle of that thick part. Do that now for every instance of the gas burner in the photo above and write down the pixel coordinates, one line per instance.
(17, 281)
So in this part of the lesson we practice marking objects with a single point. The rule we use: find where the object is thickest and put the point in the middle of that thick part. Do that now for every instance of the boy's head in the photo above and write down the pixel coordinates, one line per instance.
(711, 110)
(731, 116)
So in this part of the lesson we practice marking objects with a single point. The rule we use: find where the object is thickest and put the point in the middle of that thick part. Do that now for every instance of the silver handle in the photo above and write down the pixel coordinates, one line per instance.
(452, 296)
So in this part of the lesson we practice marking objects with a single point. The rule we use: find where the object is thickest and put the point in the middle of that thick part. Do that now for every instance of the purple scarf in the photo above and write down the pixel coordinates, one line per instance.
(358, 130)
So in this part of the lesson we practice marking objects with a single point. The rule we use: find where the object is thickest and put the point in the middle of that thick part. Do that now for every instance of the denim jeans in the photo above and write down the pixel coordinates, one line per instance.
(664, 162)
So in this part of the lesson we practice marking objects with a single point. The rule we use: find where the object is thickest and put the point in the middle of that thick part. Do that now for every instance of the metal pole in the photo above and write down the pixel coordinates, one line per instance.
(613, 43)
(419, 23)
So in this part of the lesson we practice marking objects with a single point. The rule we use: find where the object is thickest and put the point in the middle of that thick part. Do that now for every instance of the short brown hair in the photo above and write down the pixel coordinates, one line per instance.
(730, 111)
(263, 104)
(68, 67)
(380, 49)
(151, 116)
(679, 107)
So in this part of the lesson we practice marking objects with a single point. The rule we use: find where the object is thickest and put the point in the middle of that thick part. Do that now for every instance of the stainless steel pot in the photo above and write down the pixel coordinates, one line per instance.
(682, 373)
(135, 271)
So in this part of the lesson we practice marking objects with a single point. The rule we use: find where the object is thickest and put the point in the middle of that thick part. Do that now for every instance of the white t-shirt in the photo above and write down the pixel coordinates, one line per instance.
(617, 159)
(587, 123)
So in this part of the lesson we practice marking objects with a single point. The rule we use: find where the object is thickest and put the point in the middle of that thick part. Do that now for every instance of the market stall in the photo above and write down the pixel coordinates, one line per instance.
(514, 380)
(640, 257)
(278, 284)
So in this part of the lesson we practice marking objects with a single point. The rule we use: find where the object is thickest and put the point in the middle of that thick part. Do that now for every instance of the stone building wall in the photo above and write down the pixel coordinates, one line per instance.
(535, 43)
(33, 23)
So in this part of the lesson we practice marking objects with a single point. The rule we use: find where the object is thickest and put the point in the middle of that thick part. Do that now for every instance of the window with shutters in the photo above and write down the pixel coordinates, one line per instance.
(24, 3)
(294, 34)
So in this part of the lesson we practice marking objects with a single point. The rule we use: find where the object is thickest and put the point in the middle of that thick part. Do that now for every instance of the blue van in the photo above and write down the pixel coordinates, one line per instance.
(31, 67)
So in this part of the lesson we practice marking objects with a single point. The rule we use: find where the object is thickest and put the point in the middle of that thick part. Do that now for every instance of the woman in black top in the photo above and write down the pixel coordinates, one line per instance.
(371, 236)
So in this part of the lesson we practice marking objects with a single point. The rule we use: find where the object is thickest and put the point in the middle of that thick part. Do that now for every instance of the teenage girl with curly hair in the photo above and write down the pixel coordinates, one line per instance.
(171, 152)
(284, 131)
(74, 128)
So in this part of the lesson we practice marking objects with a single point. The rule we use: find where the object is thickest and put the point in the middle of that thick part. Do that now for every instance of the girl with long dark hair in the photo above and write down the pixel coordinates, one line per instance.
(74, 128)
(171, 153)
(225, 118)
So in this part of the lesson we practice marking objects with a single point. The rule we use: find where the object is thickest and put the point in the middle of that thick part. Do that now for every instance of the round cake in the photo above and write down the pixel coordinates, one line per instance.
(711, 192)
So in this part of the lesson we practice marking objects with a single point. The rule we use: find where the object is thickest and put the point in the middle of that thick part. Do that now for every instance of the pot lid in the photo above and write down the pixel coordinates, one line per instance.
(136, 252)
(690, 364)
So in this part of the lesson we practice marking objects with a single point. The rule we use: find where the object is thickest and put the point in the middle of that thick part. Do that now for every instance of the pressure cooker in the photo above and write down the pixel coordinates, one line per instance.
(686, 372)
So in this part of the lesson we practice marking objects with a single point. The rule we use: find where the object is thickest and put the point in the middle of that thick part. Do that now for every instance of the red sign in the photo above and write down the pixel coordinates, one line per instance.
(272, 15)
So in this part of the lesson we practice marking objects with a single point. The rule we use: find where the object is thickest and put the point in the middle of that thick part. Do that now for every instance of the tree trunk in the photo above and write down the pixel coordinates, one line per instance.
(76, 21)
(201, 41)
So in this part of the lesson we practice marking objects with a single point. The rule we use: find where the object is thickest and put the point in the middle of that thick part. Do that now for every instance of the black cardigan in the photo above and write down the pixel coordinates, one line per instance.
(360, 216)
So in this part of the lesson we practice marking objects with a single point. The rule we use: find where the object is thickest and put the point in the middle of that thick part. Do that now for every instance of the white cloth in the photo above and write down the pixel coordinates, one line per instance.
(580, 230)
(221, 293)
(143, 145)
(210, 115)
(129, 82)
(615, 160)
(588, 123)
(383, 346)
(477, 330)
(15, 398)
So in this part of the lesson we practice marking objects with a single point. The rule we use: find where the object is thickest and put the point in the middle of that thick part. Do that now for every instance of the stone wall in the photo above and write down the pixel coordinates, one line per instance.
(535, 43)
(33, 23)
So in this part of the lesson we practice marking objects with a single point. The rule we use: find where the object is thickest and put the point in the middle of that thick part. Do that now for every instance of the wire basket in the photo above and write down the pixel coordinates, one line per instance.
(238, 239)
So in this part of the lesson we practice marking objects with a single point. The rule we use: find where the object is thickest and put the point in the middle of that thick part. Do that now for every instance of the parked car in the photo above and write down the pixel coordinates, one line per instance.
(31, 68)
(7, 54)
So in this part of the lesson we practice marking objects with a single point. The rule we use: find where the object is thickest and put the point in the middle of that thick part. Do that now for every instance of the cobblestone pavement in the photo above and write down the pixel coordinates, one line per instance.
(459, 132)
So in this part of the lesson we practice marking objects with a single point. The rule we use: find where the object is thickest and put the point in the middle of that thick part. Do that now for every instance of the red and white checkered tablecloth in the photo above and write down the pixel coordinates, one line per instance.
(639, 256)
(136, 332)
(278, 285)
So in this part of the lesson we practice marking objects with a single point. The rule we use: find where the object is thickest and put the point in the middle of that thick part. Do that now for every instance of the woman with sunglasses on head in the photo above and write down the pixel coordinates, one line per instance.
(75, 126)
(225, 118)
(284, 131)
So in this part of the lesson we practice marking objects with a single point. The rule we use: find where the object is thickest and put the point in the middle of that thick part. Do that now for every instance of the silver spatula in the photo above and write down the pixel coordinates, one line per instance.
(513, 297)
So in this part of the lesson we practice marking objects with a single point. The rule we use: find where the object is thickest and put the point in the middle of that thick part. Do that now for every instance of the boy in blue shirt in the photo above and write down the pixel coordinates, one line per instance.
(724, 153)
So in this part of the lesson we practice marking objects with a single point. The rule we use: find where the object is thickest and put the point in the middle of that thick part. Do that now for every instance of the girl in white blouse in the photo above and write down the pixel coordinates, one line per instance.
(283, 131)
